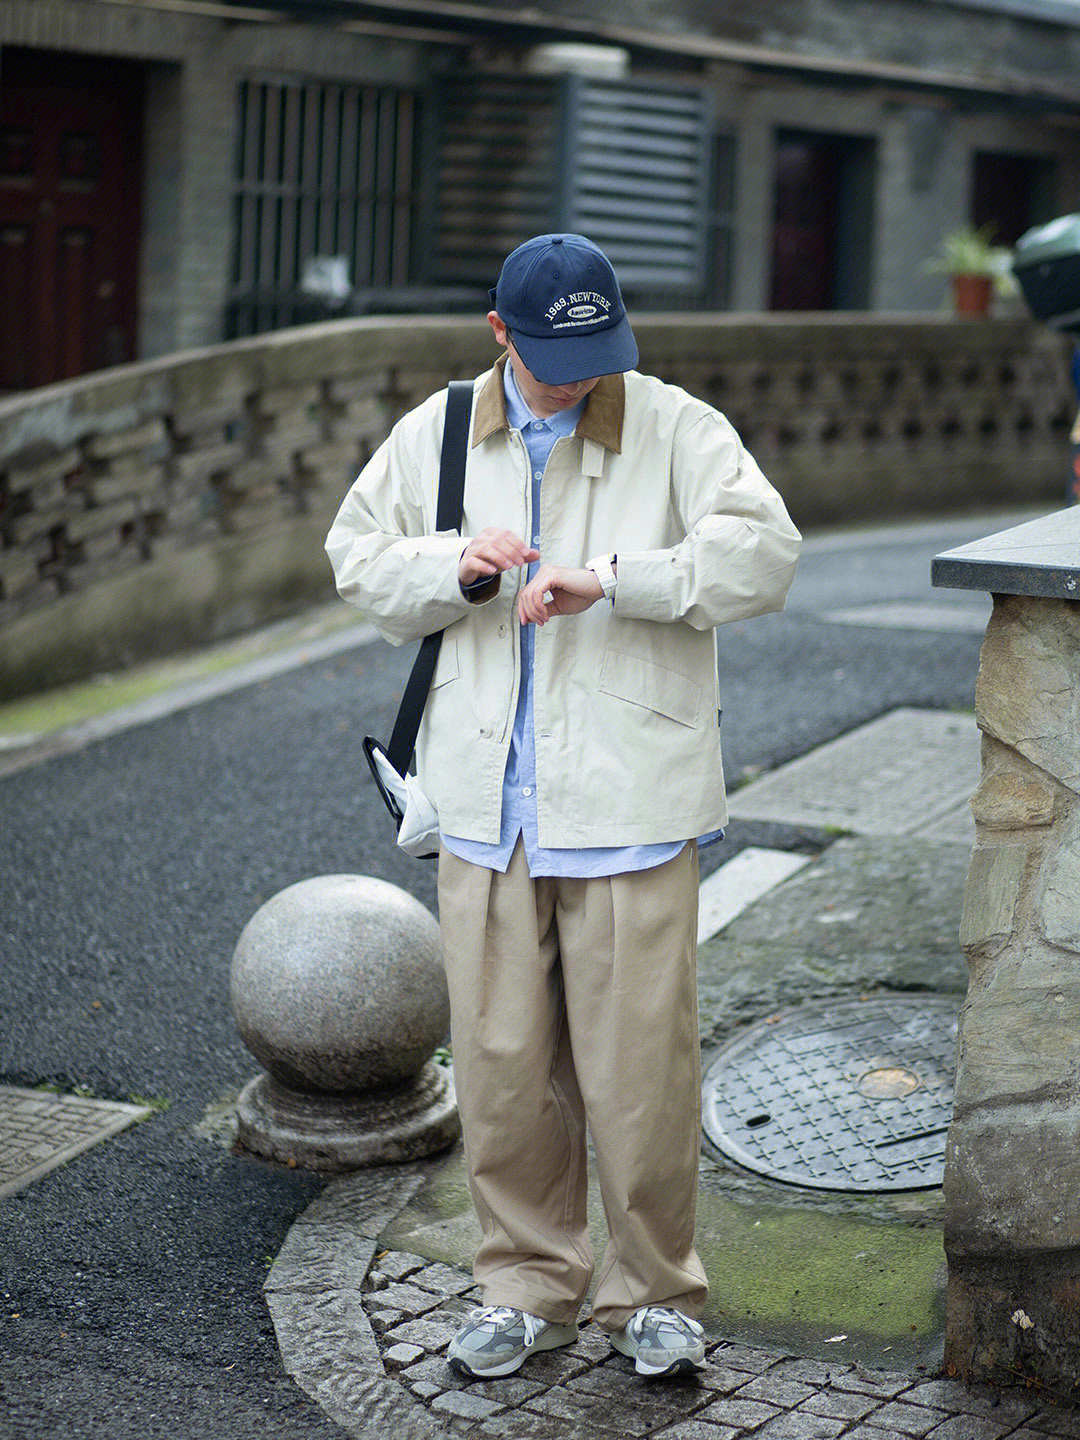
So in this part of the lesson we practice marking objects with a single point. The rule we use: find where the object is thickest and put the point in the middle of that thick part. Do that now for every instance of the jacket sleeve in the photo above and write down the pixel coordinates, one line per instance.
(388, 560)
(738, 554)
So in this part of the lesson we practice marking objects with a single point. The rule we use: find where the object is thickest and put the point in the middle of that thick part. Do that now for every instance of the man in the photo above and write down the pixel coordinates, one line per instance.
(571, 747)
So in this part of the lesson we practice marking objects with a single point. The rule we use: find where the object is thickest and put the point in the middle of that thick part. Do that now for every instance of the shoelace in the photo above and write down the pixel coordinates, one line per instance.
(496, 1315)
(663, 1315)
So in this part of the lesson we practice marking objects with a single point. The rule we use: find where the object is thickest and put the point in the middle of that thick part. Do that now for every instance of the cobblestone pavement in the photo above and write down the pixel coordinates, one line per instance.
(364, 1329)
(414, 1307)
(362, 1317)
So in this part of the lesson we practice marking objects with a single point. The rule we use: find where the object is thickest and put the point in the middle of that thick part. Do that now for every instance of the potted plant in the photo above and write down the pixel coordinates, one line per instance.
(975, 266)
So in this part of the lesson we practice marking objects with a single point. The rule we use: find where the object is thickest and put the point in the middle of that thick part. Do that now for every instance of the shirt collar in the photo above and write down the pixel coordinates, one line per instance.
(602, 421)
(519, 415)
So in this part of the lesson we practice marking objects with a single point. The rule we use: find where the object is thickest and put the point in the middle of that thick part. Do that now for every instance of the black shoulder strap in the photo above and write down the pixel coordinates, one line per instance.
(455, 447)
(448, 517)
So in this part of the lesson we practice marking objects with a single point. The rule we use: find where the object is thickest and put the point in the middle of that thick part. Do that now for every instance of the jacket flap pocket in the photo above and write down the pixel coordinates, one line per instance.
(629, 677)
(446, 667)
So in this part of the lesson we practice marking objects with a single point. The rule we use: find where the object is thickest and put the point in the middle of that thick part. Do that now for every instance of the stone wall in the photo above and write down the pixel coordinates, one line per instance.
(180, 500)
(1013, 1225)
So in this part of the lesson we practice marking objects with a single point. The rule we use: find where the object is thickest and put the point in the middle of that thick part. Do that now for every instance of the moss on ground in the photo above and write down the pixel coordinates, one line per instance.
(780, 1277)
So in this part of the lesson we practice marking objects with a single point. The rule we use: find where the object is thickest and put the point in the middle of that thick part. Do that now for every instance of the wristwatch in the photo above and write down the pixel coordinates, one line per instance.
(603, 567)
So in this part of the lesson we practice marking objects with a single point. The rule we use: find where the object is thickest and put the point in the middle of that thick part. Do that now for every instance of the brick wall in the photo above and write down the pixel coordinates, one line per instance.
(181, 500)
(193, 65)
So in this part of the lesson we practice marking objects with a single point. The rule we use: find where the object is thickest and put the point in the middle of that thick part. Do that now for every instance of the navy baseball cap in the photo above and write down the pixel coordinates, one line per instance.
(559, 298)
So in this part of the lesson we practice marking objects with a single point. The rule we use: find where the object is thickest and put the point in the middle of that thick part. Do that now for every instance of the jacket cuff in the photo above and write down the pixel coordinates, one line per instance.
(479, 592)
(651, 584)
(435, 558)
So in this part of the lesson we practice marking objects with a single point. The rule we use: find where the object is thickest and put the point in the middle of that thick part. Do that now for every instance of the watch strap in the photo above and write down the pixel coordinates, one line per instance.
(603, 567)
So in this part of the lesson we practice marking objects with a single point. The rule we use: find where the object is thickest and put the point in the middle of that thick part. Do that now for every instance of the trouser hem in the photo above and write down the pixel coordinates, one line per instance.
(612, 1318)
(551, 1310)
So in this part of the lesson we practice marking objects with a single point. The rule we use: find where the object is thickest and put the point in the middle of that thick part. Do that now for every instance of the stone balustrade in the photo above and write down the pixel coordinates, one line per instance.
(163, 504)
(1012, 1179)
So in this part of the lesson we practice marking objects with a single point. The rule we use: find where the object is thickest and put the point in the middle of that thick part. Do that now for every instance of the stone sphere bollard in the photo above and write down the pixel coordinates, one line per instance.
(337, 988)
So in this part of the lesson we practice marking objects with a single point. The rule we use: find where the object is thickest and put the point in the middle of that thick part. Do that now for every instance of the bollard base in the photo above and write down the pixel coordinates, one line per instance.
(328, 1132)
(1018, 1317)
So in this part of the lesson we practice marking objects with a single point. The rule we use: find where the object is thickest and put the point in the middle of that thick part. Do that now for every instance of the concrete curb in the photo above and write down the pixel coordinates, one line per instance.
(22, 752)
(314, 1296)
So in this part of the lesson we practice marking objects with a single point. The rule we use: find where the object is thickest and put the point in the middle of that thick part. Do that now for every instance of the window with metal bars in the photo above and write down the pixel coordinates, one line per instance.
(321, 170)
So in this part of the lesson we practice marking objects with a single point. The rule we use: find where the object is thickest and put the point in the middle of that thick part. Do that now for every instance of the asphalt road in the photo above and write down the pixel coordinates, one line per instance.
(130, 1281)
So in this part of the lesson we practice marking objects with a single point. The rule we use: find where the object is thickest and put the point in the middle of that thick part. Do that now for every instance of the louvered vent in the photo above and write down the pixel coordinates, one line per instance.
(497, 171)
(639, 183)
(624, 163)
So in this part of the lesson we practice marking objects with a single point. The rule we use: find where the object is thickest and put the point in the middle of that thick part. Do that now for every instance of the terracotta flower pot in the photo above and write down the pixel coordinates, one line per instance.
(972, 294)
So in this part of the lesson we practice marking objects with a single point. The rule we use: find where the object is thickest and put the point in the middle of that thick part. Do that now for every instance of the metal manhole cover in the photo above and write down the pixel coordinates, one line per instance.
(855, 1095)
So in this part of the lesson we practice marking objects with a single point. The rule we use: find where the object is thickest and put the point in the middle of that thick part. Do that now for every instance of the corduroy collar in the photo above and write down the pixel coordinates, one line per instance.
(601, 420)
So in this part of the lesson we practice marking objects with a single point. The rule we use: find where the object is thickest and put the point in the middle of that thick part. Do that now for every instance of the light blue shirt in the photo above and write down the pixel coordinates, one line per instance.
(519, 783)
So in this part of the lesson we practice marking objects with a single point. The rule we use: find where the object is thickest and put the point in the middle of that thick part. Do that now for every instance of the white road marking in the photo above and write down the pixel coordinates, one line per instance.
(744, 879)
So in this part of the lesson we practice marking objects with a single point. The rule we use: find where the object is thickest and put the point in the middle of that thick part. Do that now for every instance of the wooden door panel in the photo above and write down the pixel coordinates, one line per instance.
(68, 204)
(75, 287)
(804, 223)
(16, 271)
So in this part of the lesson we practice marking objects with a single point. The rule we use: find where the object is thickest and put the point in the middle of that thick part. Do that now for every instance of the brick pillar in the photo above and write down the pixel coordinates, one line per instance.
(209, 98)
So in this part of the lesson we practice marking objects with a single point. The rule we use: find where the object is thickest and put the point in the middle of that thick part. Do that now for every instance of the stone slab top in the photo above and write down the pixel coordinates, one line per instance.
(1040, 558)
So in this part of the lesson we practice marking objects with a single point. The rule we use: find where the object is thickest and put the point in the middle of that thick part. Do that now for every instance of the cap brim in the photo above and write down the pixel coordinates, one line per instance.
(566, 360)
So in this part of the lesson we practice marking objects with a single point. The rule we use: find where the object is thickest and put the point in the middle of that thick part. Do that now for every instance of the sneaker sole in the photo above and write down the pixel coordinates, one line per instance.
(683, 1365)
(554, 1339)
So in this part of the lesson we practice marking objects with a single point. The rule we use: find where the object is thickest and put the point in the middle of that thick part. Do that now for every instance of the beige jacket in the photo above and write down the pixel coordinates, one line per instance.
(626, 697)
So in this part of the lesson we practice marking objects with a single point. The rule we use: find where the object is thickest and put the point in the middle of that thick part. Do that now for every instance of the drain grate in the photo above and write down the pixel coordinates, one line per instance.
(852, 1095)
(40, 1131)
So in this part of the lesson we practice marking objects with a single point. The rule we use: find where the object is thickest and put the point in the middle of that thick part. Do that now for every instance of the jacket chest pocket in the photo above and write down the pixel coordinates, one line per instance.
(642, 682)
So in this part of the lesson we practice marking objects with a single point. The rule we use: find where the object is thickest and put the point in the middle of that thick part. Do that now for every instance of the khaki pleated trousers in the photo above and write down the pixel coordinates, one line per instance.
(574, 1002)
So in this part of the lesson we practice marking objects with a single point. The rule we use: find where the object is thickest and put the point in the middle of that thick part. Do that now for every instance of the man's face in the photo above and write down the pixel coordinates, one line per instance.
(542, 400)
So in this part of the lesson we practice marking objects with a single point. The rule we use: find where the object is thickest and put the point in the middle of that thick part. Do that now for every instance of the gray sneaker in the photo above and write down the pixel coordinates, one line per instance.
(661, 1341)
(497, 1340)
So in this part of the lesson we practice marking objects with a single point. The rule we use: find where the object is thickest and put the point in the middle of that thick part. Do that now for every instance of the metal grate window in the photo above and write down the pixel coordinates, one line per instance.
(321, 170)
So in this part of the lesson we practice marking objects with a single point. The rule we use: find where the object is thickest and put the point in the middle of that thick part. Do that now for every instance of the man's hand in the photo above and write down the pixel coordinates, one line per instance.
(491, 552)
(554, 590)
